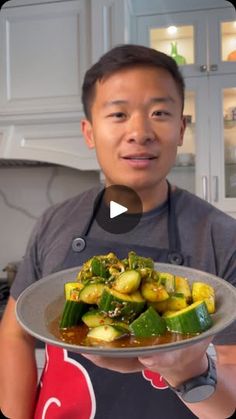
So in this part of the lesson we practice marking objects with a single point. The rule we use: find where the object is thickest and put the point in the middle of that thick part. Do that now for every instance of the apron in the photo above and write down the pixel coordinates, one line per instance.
(71, 387)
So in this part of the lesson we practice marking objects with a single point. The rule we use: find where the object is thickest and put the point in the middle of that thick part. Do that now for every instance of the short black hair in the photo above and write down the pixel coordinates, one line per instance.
(125, 56)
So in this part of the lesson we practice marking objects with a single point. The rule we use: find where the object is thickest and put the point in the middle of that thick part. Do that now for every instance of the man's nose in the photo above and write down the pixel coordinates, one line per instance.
(140, 130)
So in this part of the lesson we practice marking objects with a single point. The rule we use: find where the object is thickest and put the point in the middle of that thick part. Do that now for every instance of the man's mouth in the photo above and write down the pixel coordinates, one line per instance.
(139, 157)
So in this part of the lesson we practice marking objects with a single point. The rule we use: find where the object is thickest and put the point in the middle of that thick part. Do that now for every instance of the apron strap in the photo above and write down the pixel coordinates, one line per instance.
(175, 256)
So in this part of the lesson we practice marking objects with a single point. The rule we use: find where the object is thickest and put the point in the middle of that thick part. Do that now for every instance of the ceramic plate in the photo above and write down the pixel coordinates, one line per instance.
(43, 301)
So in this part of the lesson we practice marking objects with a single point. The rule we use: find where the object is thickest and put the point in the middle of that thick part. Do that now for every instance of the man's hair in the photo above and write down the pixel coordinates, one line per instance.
(127, 56)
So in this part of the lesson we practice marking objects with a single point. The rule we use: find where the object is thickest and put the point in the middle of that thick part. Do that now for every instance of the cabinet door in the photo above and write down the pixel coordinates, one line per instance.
(223, 141)
(182, 35)
(44, 54)
(107, 25)
(191, 170)
(222, 41)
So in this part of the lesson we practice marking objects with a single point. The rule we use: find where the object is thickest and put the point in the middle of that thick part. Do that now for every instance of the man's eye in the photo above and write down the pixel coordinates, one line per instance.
(117, 115)
(160, 113)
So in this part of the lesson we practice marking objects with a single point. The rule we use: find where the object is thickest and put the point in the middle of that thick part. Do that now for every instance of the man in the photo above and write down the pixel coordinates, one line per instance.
(133, 100)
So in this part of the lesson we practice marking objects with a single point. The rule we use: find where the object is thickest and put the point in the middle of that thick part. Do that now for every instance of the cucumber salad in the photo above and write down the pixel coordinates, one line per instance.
(113, 298)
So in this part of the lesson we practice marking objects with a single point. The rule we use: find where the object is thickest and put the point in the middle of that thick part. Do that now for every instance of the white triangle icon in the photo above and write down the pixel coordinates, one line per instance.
(116, 209)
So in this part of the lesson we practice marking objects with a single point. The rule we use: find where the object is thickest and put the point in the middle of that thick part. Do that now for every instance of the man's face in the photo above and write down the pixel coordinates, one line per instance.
(136, 127)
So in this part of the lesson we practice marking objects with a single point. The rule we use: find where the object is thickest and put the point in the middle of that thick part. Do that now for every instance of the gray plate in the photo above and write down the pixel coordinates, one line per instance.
(43, 301)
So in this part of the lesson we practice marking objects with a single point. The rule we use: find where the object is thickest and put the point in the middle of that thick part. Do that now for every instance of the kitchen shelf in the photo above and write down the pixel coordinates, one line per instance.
(230, 124)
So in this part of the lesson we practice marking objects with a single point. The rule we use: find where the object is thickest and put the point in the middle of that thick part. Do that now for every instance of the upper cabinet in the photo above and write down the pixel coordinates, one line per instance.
(201, 37)
(200, 41)
(43, 57)
(45, 48)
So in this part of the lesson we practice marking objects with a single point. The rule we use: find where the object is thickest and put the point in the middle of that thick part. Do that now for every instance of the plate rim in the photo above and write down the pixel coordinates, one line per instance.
(127, 351)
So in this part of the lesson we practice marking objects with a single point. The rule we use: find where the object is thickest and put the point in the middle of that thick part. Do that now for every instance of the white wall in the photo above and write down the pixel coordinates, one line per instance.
(25, 192)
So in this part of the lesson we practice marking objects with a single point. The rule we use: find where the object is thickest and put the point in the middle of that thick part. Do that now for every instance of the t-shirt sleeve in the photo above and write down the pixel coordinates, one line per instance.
(29, 269)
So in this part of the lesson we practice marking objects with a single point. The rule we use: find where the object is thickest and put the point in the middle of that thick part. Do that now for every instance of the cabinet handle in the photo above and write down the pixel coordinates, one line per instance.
(216, 188)
(213, 67)
(205, 188)
(203, 68)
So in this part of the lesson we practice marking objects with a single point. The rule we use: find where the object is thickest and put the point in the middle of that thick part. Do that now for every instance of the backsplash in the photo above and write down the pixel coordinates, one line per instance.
(25, 192)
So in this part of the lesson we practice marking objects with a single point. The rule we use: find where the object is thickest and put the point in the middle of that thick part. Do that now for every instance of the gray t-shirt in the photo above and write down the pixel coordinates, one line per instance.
(207, 235)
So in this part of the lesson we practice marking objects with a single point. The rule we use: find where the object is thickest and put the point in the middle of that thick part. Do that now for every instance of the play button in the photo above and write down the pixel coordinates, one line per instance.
(118, 209)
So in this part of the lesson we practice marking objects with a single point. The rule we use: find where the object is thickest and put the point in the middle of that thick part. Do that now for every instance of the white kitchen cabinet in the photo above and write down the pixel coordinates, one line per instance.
(45, 51)
(45, 48)
(206, 164)
(108, 26)
(204, 38)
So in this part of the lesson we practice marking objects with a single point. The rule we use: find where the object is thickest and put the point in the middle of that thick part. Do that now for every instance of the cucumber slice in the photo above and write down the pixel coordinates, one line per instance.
(148, 324)
(127, 282)
(204, 292)
(123, 306)
(72, 290)
(182, 286)
(168, 280)
(107, 333)
(176, 302)
(193, 319)
(91, 293)
(72, 313)
(94, 318)
(153, 291)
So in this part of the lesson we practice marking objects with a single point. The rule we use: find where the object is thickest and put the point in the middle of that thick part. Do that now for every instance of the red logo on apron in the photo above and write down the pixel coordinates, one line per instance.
(155, 379)
(66, 389)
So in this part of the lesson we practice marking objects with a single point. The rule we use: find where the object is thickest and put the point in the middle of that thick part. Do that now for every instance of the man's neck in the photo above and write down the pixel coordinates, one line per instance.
(153, 197)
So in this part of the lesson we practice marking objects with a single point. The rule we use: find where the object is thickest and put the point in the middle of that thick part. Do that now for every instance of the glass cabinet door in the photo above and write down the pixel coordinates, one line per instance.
(223, 141)
(229, 107)
(222, 41)
(176, 41)
(228, 40)
(183, 173)
(180, 35)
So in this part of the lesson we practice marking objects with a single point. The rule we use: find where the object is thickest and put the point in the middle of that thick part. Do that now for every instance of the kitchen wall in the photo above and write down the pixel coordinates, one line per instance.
(25, 192)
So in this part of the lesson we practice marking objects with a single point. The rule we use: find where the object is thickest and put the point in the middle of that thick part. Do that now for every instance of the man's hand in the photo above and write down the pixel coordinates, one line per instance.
(175, 366)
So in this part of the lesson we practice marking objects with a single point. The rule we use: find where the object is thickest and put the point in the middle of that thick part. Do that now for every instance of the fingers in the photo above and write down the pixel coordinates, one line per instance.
(123, 365)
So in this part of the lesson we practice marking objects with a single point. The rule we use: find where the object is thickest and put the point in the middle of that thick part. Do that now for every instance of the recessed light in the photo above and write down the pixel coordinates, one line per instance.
(172, 30)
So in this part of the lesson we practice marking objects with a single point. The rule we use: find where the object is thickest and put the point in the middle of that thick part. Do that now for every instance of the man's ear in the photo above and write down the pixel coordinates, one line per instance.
(182, 131)
(87, 130)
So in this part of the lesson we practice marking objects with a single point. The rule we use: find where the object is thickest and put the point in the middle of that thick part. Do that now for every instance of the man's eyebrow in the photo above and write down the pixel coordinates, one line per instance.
(161, 99)
(114, 102)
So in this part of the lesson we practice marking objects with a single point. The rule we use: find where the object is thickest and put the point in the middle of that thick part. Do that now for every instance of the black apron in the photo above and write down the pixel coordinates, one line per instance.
(99, 393)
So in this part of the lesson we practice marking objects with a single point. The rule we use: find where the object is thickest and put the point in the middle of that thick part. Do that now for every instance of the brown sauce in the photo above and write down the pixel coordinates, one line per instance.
(77, 335)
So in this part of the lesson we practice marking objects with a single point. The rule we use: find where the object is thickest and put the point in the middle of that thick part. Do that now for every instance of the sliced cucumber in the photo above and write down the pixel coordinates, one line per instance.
(173, 303)
(123, 306)
(177, 301)
(94, 318)
(193, 319)
(72, 313)
(148, 324)
(182, 286)
(91, 293)
(204, 292)
(168, 280)
(153, 291)
(127, 282)
(107, 333)
(72, 290)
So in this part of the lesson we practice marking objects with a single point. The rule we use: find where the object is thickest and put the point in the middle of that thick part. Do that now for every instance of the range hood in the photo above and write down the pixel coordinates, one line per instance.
(22, 163)
(45, 144)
